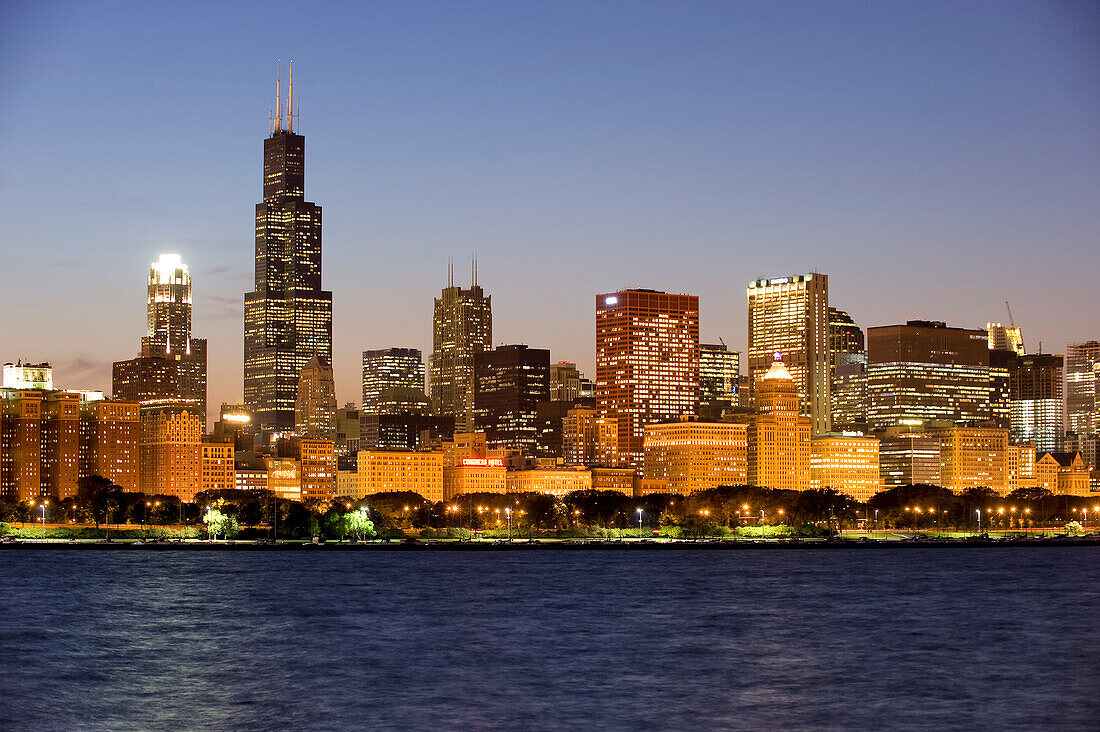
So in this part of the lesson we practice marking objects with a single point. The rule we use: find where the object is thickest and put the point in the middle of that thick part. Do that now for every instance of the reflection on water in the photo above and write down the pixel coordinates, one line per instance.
(956, 638)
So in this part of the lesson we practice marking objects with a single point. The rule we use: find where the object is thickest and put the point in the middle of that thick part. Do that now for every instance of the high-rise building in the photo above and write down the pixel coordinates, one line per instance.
(924, 370)
(565, 382)
(647, 362)
(348, 431)
(1035, 399)
(779, 435)
(287, 317)
(789, 316)
(110, 441)
(509, 384)
(1082, 361)
(462, 327)
(1001, 365)
(171, 450)
(719, 376)
(846, 463)
(393, 382)
(172, 364)
(315, 405)
(1004, 338)
(847, 372)
(589, 439)
(403, 431)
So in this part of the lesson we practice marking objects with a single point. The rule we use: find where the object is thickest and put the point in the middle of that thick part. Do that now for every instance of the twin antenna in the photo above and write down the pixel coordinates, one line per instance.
(277, 121)
(451, 272)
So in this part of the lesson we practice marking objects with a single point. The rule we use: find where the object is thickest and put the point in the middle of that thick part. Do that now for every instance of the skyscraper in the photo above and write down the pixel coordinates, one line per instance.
(287, 317)
(393, 381)
(509, 384)
(1082, 388)
(315, 405)
(924, 370)
(847, 372)
(172, 364)
(1035, 389)
(647, 362)
(779, 436)
(789, 316)
(462, 326)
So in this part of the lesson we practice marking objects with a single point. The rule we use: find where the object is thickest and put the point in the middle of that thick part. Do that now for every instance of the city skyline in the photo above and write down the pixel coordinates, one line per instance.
(562, 209)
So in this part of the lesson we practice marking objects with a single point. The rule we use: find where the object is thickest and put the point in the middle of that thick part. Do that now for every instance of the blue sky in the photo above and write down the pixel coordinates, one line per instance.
(935, 159)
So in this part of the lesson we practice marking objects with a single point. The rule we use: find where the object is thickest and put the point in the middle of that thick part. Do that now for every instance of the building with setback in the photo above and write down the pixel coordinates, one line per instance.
(287, 317)
(647, 362)
(789, 316)
(393, 381)
(779, 435)
(847, 372)
(462, 327)
(172, 364)
(315, 405)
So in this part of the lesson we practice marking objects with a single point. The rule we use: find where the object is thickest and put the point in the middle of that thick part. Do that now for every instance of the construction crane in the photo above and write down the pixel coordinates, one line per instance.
(1012, 324)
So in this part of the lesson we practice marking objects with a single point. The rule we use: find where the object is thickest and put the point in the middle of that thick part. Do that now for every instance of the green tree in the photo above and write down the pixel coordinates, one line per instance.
(359, 525)
(219, 522)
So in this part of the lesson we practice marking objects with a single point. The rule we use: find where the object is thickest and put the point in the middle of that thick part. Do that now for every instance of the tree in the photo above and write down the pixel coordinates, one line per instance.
(358, 523)
(219, 522)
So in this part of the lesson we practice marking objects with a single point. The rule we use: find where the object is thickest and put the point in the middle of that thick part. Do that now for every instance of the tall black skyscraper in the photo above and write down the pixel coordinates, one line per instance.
(288, 317)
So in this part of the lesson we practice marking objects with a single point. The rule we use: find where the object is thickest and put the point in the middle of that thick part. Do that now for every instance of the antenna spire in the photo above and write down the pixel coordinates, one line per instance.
(278, 96)
(290, 101)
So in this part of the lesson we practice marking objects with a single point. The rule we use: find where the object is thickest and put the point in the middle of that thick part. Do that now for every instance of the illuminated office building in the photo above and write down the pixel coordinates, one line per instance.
(287, 316)
(789, 316)
(315, 406)
(172, 364)
(848, 464)
(588, 438)
(236, 424)
(694, 456)
(218, 471)
(719, 379)
(404, 431)
(647, 362)
(909, 457)
(847, 372)
(924, 370)
(1082, 367)
(1035, 387)
(389, 471)
(393, 382)
(28, 376)
(974, 457)
(779, 435)
(509, 384)
(1001, 366)
(462, 326)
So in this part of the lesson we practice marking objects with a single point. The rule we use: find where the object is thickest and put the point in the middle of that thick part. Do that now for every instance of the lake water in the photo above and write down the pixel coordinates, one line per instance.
(994, 638)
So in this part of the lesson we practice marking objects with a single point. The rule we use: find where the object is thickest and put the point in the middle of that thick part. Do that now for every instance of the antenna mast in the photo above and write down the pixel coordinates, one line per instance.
(290, 102)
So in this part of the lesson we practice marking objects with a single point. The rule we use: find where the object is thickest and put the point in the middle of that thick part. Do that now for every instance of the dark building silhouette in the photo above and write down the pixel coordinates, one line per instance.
(509, 384)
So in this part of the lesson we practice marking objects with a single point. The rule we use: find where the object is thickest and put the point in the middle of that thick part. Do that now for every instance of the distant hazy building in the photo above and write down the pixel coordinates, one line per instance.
(1035, 386)
(924, 370)
(509, 384)
(789, 316)
(847, 372)
(315, 407)
(565, 382)
(647, 362)
(695, 456)
(779, 435)
(461, 328)
(393, 381)
(172, 365)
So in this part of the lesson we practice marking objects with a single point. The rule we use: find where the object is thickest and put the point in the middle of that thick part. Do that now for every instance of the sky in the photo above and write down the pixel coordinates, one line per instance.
(934, 159)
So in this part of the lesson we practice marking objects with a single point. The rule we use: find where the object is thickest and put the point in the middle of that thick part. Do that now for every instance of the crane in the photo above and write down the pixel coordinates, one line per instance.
(1012, 324)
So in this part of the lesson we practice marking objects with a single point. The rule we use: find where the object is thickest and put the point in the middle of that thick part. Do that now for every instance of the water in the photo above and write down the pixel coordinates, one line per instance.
(996, 638)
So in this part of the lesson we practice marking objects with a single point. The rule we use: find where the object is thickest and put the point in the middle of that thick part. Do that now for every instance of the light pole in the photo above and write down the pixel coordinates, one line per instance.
(979, 520)
(508, 513)
(43, 506)
(639, 524)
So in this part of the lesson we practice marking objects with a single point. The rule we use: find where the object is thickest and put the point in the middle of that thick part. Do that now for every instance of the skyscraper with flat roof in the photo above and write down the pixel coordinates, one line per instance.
(847, 372)
(789, 316)
(1035, 401)
(509, 384)
(393, 381)
(647, 362)
(1082, 362)
(287, 317)
(924, 370)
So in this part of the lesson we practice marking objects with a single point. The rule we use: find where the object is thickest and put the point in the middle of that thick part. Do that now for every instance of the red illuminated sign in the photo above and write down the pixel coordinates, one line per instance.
(482, 463)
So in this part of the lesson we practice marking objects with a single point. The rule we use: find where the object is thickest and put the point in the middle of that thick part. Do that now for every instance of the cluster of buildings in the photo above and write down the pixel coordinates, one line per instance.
(823, 403)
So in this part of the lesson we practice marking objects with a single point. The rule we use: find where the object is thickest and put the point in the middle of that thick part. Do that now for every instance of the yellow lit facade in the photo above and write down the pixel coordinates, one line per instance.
(461, 479)
(974, 457)
(589, 439)
(779, 437)
(171, 452)
(317, 459)
(848, 464)
(387, 471)
(218, 473)
(693, 456)
(551, 481)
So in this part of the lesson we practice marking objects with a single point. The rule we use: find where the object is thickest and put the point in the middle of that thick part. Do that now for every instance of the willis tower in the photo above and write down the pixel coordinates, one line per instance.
(287, 317)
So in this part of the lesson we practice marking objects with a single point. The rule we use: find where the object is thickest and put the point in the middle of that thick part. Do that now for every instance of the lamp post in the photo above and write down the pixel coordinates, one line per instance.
(43, 506)
(979, 520)
(639, 524)
(508, 513)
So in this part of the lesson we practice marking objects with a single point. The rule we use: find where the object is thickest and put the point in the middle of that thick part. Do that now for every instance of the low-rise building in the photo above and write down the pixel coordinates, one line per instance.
(846, 463)
(387, 471)
(552, 481)
(692, 456)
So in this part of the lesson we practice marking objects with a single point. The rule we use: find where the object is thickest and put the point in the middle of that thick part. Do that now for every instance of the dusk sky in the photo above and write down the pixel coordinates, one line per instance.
(934, 159)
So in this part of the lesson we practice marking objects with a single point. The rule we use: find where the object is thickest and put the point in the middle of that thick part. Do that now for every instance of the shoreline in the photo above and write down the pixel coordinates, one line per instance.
(558, 545)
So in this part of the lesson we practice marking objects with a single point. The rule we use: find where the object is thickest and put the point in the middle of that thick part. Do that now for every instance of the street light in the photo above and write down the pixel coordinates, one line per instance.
(43, 506)
(639, 524)
(508, 513)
